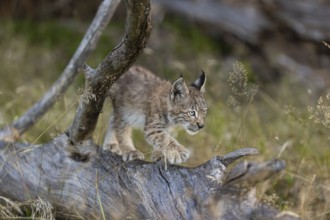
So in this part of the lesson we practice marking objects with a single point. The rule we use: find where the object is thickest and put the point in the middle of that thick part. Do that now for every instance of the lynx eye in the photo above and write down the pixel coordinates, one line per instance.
(192, 113)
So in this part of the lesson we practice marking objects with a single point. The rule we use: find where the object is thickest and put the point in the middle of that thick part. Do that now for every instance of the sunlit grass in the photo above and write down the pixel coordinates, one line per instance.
(285, 120)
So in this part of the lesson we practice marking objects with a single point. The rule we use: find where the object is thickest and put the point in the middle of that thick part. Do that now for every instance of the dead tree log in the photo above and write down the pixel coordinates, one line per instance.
(273, 34)
(87, 182)
(249, 20)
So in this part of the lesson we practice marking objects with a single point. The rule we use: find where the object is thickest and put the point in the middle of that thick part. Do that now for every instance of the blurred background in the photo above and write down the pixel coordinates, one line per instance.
(267, 64)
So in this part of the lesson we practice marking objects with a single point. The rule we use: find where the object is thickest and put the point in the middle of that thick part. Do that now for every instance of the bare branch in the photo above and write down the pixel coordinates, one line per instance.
(138, 27)
(249, 173)
(235, 155)
(88, 43)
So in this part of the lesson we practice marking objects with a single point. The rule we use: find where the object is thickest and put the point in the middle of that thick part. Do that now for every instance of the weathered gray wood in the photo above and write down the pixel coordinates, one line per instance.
(306, 18)
(75, 179)
(272, 32)
(248, 20)
(243, 20)
(87, 45)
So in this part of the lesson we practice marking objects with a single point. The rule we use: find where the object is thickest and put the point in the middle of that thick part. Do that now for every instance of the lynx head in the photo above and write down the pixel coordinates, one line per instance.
(188, 106)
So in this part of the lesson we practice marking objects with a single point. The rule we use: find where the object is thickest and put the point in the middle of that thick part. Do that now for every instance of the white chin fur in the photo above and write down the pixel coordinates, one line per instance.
(191, 132)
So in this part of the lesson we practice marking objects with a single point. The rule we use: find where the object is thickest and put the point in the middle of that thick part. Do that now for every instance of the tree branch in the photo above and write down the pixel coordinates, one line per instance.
(87, 45)
(99, 81)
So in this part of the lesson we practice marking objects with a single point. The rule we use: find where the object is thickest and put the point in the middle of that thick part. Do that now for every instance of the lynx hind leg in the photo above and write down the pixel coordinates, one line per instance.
(110, 141)
(125, 143)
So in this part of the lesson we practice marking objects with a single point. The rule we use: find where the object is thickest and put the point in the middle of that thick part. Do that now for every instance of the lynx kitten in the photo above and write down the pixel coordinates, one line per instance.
(142, 100)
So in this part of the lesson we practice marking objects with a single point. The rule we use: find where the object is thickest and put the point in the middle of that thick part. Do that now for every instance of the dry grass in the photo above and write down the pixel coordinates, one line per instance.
(286, 120)
(33, 209)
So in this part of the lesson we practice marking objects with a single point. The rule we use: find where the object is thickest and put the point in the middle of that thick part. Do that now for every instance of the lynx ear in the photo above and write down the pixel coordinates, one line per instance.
(179, 90)
(200, 82)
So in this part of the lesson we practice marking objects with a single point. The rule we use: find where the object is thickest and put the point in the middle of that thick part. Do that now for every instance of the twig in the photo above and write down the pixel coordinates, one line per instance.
(87, 45)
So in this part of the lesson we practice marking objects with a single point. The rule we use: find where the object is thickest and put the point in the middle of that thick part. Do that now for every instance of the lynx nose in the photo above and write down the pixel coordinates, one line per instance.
(200, 125)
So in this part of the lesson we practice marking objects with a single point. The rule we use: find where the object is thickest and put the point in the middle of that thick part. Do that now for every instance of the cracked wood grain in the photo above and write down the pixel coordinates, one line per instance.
(138, 189)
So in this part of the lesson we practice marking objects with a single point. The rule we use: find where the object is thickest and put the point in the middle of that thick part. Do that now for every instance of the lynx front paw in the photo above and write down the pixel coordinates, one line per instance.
(113, 147)
(132, 155)
(173, 154)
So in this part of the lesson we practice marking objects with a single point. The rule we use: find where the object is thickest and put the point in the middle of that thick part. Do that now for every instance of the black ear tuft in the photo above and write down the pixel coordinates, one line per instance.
(200, 82)
(179, 90)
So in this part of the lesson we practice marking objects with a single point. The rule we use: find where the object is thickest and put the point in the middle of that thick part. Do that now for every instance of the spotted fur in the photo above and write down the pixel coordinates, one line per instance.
(142, 100)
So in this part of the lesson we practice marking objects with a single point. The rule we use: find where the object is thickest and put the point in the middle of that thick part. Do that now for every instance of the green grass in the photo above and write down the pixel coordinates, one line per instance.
(276, 120)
